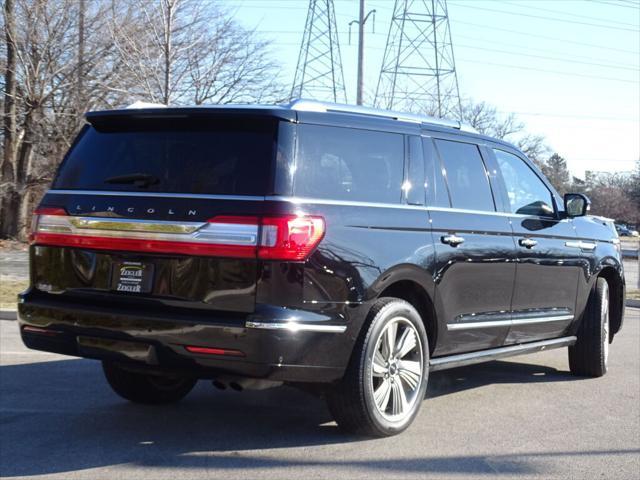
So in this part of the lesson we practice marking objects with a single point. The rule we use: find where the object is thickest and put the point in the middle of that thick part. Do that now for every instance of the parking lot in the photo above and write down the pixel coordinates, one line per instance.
(525, 417)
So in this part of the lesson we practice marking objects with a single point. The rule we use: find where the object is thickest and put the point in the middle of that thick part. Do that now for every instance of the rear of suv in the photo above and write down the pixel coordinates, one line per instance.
(314, 244)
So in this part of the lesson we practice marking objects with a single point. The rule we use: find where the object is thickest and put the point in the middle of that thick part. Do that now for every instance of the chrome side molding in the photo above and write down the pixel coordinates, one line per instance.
(464, 359)
(508, 323)
(297, 327)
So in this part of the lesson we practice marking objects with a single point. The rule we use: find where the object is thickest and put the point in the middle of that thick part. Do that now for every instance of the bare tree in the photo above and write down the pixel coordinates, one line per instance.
(51, 65)
(61, 58)
(486, 120)
(188, 52)
(610, 197)
(7, 163)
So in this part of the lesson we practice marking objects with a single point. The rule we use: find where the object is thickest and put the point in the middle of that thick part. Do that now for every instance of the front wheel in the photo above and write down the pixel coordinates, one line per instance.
(590, 354)
(386, 379)
(146, 388)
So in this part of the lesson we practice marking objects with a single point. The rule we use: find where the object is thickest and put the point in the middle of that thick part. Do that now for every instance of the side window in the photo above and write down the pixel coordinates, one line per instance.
(528, 195)
(466, 175)
(437, 195)
(349, 164)
(414, 188)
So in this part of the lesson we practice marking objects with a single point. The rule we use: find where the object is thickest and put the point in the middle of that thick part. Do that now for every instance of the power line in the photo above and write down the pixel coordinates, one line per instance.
(527, 68)
(564, 115)
(560, 59)
(546, 37)
(571, 74)
(569, 58)
(485, 9)
(528, 49)
(603, 2)
(540, 9)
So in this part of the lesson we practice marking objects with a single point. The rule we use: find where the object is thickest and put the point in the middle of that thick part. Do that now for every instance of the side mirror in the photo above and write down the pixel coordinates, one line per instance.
(576, 204)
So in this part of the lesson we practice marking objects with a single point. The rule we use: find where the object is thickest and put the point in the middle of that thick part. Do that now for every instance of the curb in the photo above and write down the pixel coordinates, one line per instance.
(632, 303)
(8, 314)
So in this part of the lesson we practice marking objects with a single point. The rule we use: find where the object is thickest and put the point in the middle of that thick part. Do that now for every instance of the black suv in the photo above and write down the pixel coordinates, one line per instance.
(343, 249)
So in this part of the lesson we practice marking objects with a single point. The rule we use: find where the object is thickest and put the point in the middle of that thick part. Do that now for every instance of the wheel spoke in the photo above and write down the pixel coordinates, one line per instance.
(410, 374)
(390, 338)
(379, 367)
(406, 343)
(381, 394)
(399, 399)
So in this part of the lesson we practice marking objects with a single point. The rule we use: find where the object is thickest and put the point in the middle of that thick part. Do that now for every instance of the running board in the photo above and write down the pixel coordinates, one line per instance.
(464, 359)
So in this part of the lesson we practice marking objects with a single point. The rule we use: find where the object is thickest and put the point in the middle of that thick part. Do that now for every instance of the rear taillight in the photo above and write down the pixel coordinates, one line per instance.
(289, 237)
(46, 215)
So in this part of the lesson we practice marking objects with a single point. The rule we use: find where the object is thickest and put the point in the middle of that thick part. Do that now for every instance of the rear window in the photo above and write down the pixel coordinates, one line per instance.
(349, 164)
(172, 156)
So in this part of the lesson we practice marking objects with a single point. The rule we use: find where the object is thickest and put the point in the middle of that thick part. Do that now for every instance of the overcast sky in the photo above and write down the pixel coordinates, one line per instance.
(570, 69)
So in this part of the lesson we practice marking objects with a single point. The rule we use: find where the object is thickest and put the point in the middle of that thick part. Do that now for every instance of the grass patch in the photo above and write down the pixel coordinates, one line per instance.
(9, 289)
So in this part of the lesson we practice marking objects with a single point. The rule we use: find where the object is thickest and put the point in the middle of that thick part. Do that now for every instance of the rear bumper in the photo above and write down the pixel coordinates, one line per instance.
(276, 343)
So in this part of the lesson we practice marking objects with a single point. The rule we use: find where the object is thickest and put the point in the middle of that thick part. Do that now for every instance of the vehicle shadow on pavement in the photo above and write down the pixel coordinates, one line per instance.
(60, 416)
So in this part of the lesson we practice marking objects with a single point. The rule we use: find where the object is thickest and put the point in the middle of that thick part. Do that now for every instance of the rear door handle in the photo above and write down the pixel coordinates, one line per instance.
(452, 240)
(527, 242)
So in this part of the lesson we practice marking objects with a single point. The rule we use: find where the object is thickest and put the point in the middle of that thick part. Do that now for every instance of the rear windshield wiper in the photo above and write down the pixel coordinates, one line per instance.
(138, 179)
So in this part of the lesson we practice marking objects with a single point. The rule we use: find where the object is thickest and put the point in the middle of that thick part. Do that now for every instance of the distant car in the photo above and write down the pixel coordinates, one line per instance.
(623, 231)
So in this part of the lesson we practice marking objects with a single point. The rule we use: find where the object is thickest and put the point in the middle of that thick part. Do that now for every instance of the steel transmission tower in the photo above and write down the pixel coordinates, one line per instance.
(319, 73)
(418, 71)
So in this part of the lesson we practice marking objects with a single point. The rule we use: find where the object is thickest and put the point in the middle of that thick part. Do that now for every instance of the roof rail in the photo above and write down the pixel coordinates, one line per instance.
(140, 104)
(303, 105)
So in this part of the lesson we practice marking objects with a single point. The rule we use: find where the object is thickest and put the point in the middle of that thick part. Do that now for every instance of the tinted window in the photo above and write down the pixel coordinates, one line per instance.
(437, 195)
(528, 195)
(466, 176)
(349, 164)
(172, 157)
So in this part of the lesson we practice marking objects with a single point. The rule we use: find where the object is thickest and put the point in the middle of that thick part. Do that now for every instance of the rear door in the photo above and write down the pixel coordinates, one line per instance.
(475, 267)
(158, 210)
(549, 263)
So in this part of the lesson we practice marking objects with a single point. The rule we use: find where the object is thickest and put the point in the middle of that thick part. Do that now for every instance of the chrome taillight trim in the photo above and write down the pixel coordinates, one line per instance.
(128, 225)
(194, 232)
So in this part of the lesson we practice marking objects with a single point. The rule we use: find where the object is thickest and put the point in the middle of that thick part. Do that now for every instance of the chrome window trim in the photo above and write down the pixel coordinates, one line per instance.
(293, 199)
(296, 327)
(326, 201)
(507, 323)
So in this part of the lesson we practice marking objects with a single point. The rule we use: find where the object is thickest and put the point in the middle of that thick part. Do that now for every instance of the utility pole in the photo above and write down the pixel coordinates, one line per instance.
(362, 20)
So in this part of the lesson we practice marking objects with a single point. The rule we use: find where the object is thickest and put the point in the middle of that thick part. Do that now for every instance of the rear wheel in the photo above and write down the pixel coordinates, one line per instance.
(386, 379)
(146, 388)
(590, 354)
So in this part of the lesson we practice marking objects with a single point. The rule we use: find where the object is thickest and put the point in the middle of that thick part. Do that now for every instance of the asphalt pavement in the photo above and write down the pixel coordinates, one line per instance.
(526, 417)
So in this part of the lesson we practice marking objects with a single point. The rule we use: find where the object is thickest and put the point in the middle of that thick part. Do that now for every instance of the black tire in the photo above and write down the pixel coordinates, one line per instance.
(589, 356)
(352, 401)
(145, 388)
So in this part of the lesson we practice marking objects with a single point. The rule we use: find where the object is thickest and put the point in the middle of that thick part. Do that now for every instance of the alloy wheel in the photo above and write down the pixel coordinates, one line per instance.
(398, 369)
